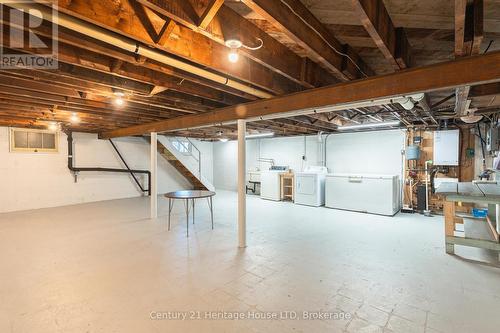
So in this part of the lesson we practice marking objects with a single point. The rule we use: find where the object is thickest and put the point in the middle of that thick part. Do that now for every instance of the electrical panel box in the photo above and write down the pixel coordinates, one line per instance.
(446, 147)
(492, 137)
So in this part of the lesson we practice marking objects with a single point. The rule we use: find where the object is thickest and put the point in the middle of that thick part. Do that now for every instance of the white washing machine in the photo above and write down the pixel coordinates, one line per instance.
(310, 186)
(270, 187)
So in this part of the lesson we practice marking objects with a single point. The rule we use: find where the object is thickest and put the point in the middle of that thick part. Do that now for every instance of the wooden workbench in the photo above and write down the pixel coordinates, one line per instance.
(479, 193)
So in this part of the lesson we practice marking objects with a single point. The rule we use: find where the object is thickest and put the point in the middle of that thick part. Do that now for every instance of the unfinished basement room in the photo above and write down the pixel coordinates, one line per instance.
(250, 166)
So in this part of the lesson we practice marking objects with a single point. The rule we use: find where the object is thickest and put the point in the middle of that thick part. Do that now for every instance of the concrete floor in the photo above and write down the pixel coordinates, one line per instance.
(103, 267)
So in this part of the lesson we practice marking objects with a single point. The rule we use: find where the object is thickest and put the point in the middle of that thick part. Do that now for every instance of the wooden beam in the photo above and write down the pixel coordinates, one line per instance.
(299, 24)
(165, 32)
(210, 12)
(391, 42)
(478, 26)
(141, 13)
(274, 55)
(485, 90)
(448, 75)
(469, 24)
(157, 90)
(460, 25)
(468, 38)
(461, 96)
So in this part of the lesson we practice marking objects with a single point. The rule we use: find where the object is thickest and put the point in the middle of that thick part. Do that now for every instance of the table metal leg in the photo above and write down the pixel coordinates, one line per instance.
(193, 210)
(211, 211)
(187, 217)
(169, 211)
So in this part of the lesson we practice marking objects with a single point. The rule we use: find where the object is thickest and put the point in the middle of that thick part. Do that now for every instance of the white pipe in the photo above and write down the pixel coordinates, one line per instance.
(154, 176)
(336, 107)
(427, 186)
(242, 208)
(128, 44)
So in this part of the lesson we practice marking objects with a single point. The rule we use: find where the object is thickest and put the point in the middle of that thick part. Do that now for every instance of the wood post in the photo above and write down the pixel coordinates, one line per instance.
(449, 223)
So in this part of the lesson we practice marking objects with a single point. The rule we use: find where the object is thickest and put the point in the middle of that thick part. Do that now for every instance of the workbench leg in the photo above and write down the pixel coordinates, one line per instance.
(450, 248)
(449, 224)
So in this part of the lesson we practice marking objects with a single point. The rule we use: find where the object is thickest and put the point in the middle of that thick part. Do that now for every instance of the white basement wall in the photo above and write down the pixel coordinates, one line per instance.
(38, 180)
(368, 152)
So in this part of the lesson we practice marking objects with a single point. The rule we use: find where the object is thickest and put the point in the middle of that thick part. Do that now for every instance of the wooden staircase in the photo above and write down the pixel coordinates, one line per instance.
(197, 185)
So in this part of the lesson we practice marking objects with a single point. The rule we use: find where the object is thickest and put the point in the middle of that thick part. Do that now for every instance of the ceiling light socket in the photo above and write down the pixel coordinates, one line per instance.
(233, 43)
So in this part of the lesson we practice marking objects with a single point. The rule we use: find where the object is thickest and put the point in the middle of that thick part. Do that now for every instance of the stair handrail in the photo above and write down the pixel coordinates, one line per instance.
(190, 152)
(199, 155)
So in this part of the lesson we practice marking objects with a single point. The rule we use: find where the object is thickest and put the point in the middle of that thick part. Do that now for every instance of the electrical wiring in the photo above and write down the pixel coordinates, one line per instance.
(254, 48)
(323, 38)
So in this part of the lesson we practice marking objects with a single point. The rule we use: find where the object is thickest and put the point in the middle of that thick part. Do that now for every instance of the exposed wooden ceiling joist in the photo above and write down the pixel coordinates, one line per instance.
(273, 55)
(209, 13)
(293, 18)
(448, 75)
(469, 24)
(72, 50)
(485, 90)
(468, 37)
(392, 42)
(120, 17)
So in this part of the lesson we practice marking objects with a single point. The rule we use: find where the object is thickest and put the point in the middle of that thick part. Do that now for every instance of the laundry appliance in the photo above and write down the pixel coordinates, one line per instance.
(310, 186)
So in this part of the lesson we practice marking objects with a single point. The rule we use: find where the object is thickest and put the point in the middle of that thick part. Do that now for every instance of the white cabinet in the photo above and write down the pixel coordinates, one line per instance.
(377, 194)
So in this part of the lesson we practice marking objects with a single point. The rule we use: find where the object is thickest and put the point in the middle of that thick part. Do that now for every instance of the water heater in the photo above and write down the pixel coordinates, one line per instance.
(446, 147)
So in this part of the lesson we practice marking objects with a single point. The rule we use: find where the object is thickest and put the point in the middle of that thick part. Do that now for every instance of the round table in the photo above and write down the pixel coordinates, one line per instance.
(189, 195)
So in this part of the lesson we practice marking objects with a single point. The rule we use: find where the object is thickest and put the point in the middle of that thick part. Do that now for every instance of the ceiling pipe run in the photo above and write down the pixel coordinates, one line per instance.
(129, 45)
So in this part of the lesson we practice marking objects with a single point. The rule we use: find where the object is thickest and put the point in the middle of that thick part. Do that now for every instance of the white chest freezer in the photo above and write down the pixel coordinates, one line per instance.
(376, 194)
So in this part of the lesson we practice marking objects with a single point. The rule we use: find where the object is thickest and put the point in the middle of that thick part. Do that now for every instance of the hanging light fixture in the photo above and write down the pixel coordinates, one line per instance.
(74, 118)
(53, 126)
(259, 135)
(235, 44)
(119, 101)
(369, 125)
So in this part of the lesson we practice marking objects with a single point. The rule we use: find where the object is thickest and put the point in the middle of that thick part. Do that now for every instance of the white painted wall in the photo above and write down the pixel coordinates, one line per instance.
(368, 152)
(37, 180)
(225, 165)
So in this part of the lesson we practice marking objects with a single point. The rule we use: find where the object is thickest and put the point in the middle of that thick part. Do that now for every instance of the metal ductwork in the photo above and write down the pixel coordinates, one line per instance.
(129, 45)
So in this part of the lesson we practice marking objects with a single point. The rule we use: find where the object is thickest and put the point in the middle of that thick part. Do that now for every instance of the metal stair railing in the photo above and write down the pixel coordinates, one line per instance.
(187, 151)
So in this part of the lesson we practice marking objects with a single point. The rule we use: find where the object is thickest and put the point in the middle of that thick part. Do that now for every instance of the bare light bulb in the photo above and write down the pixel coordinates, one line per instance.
(53, 126)
(74, 118)
(119, 101)
(223, 139)
(233, 56)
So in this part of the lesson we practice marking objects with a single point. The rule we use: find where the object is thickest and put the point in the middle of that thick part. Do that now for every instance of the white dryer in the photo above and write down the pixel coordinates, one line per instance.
(310, 186)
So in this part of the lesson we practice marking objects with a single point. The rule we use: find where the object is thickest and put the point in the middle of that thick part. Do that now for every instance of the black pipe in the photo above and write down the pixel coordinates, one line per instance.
(482, 145)
(98, 169)
(126, 165)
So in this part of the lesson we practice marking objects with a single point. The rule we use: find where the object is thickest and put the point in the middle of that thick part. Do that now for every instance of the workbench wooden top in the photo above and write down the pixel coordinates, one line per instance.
(486, 192)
